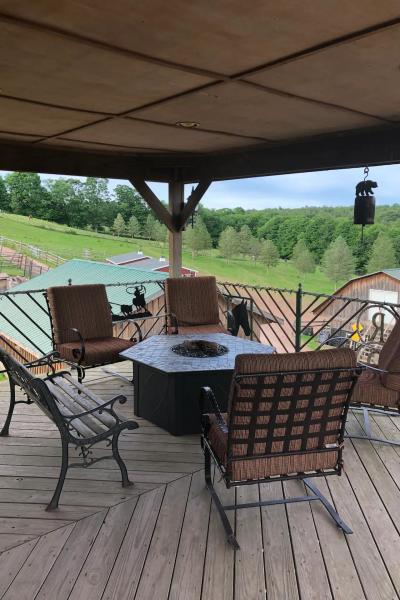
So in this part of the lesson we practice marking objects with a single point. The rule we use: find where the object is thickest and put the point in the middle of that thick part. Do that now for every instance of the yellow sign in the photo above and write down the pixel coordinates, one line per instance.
(357, 330)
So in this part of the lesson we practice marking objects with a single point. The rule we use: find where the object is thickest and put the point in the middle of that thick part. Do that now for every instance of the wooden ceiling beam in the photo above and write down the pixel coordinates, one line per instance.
(155, 204)
(377, 146)
(373, 146)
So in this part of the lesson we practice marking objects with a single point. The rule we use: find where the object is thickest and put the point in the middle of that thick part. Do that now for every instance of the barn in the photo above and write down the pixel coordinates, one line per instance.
(363, 309)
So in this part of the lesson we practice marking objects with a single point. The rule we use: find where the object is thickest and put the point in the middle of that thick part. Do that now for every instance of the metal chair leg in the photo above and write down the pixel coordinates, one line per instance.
(335, 516)
(367, 427)
(120, 462)
(6, 426)
(53, 504)
(225, 521)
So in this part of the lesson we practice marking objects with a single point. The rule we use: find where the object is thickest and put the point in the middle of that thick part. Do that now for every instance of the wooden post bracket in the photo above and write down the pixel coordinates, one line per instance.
(162, 213)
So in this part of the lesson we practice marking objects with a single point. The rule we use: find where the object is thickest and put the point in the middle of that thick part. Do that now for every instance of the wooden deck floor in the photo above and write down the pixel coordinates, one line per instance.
(162, 538)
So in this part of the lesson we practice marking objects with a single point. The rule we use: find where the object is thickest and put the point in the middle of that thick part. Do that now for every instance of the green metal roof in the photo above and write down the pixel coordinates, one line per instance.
(32, 329)
(392, 272)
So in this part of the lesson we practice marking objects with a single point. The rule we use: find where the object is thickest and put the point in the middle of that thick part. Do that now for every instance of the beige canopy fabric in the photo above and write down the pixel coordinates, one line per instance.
(188, 90)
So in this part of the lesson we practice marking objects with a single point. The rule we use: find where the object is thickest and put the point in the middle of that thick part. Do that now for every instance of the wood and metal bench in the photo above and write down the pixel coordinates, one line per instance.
(82, 418)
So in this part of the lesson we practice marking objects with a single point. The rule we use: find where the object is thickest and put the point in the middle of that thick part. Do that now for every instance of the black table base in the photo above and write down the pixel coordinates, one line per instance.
(171, 400)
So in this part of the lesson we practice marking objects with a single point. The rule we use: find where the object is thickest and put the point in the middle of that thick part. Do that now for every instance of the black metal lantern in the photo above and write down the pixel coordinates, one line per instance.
(364, 204)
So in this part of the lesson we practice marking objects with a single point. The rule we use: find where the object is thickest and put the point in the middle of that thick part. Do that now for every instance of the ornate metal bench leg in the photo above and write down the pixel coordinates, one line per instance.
(335, 516)
(64, 468)
(6, 425)
(225, 521)
(120, 462)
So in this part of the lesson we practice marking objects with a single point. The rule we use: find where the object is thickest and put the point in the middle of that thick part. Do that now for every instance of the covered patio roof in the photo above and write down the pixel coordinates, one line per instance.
(90, 88)
(197, 92)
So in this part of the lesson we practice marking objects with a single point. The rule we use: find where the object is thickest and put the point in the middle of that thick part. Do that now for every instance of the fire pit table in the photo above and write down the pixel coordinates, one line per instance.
(168, 378)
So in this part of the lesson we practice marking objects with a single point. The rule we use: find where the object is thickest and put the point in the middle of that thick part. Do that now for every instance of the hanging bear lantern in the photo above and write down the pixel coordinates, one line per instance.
(364, 204)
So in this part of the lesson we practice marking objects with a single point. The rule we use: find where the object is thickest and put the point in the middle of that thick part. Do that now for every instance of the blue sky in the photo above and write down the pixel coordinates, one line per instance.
(324, 188)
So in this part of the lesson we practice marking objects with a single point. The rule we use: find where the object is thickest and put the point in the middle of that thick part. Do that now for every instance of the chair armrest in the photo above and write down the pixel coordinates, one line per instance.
(208, 395)
(80, 340)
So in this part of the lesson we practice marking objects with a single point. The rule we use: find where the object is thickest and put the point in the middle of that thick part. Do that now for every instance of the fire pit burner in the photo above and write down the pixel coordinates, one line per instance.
(199, 349)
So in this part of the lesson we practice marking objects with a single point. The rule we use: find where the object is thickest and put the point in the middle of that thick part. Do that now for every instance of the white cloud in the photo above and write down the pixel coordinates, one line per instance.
(322, 188)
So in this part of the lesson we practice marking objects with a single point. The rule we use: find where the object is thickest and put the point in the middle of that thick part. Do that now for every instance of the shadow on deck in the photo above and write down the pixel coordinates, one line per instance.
(162, 539)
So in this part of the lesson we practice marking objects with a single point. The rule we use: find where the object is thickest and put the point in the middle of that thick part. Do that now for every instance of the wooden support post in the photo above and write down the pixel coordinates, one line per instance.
(176, 203)
(177, 216)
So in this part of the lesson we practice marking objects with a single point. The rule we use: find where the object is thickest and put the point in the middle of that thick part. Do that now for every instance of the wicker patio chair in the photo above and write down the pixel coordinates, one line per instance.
(285, 421)
(193, 304)
(378, 387)
(82, 327)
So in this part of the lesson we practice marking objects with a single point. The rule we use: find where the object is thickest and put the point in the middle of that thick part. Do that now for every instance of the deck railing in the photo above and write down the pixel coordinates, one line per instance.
(298, 320)
(290, 320)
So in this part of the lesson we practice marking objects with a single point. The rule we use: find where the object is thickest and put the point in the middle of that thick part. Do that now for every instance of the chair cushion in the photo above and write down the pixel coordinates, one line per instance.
(369, 389)
(214, 328)
(267, 466)
(97, 351)
(84, 307)
(193, 300)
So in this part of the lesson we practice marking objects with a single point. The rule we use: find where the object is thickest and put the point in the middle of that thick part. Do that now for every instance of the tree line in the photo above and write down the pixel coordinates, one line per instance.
(308, 237)
(337, 262)
(84, 204)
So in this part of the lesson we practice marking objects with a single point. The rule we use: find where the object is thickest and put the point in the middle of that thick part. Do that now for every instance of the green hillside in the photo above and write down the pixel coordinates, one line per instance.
(75, 243)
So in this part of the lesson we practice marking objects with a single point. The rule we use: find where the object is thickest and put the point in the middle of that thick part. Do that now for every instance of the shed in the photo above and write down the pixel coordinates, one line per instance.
(138, 260)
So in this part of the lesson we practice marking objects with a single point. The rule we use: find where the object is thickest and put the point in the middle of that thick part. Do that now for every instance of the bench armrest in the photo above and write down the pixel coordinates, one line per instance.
(106, 407)
(47, 360)
(208, 395)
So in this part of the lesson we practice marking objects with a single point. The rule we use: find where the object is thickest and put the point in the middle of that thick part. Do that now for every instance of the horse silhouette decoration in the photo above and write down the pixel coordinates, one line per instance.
(137, 309)
(239, 317)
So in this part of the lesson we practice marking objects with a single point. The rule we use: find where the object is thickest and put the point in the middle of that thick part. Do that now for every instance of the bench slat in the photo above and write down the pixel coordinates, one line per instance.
(86, 426)
(85, 400)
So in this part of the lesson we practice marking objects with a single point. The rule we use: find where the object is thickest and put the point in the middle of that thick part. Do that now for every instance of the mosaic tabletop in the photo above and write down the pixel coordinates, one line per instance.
(156, 352)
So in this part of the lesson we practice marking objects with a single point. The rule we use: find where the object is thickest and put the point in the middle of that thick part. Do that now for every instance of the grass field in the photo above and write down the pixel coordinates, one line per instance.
(76, 243)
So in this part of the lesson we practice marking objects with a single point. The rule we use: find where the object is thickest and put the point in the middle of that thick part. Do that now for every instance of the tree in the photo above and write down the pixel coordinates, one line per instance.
(130, 203)
(66, 205)
(4, 196)
(302, 258)
(150, 227)
(383, 255)
(160, 233)
(318, 234)
(27, 195)
(119, 224)
(255, 248)
(197, 237)
(245, 239)
(95, 196)
(269, 253)
(229, 243)
(134, 227)
(338, 261)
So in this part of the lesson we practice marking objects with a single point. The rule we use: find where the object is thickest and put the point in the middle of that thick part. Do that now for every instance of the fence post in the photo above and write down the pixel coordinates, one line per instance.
(298, 319)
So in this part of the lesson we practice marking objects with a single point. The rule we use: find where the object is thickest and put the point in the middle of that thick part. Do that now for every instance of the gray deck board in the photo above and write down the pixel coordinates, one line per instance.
(163, 539)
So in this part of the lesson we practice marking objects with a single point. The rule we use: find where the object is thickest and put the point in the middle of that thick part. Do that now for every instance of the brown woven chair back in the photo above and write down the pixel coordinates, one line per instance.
(84, 307)
(291, 403)
(193, 300)
(389, 359)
